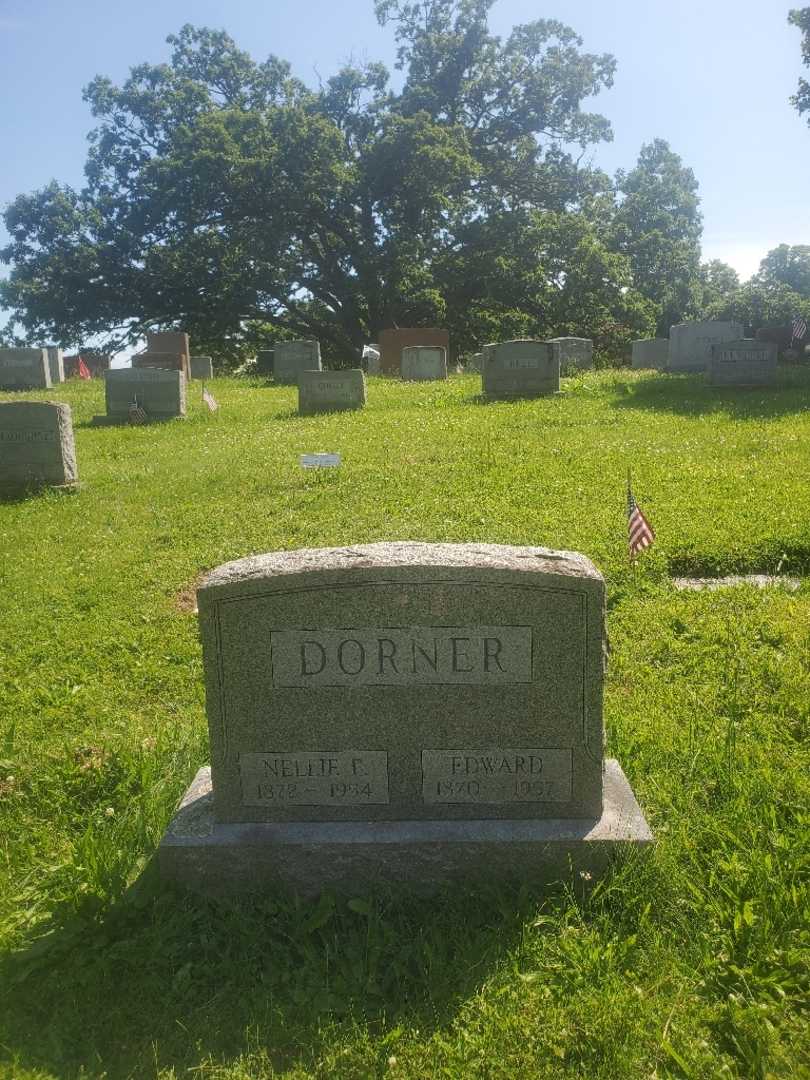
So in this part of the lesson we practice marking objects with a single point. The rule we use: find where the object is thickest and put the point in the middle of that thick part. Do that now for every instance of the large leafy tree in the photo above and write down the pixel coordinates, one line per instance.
(800, 17)
(225, 195)
(658, 227)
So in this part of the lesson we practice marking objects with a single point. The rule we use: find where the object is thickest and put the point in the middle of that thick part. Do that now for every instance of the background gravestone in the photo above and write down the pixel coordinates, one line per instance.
(520, 368)
(166, 350)
(395, 339)
(24, 369)
(201, 367)
(650, 353)
(56, 365)
(421, 363)
(36, 446)
(690, 343)
(406, 712)
(293, 357)
(573, 353)
(331, 391)
(743, 363)
(265, 361)
(161, 393)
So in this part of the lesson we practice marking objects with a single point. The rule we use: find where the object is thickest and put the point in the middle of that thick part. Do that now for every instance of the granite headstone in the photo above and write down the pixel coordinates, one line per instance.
(743, 363)
(160, 393)
(394, 339)
(265, 362)
(573, 353)
(201, 367)
(56, 364)
(24, 369)
(293, 357)
(331, 391)
(36, 446)
(423, 363)
(650, 353)
(401, 713)
(690, 343)
(520, 368)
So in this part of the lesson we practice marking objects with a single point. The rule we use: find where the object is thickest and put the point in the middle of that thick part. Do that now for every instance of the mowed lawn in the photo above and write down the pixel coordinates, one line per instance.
(690, 962)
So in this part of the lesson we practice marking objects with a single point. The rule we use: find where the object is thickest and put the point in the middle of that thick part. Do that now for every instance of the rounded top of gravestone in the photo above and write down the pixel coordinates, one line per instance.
(401, 558)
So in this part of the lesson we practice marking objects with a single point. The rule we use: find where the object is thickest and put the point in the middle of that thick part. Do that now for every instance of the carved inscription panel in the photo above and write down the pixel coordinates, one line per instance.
(399, 656)
(318, 778)
(496, 775)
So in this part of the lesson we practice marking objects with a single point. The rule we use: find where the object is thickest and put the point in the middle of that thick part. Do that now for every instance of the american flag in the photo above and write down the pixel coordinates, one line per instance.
(83, 371)
(209, 400)
(799, 328)
(640, 532)
(137, 414)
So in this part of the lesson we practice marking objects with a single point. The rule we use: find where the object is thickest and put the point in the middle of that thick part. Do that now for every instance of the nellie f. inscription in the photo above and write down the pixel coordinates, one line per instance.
(397, 656)
(318, 778)
(496, 775)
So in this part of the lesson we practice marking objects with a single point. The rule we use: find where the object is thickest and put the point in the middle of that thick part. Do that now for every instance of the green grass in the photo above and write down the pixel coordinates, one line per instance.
(691, 962)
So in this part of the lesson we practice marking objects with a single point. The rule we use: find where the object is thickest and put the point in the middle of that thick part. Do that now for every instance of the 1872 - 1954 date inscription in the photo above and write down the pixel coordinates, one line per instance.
(317, 778)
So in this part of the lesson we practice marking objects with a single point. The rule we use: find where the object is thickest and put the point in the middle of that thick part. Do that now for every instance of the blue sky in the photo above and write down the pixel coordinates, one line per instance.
(713, 77)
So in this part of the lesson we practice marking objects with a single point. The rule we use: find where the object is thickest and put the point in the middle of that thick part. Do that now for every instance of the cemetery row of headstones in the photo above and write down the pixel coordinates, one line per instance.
(717, 348)
(515, 368)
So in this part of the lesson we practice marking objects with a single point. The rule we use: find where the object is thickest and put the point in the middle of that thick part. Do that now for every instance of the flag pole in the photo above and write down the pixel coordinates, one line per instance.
(629, 545)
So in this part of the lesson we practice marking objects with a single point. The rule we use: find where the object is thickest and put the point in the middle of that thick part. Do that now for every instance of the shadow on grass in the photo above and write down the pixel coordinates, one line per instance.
(690, 395)
(163, 979)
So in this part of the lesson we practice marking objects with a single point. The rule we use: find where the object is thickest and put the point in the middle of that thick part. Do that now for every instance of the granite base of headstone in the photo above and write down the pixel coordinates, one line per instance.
(24, 369)
(36, 447)
(690, 344)
(650, 353)
(201, 367)
(573, 353)
(746, 362)
(423, 363)
(520, 368)
(331, 391)
(293, 357)
(402, 715)
(160, 393)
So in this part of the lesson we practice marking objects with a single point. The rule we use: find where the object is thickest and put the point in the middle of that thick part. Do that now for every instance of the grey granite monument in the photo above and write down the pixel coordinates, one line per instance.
(743, 363)
(201, 367)
(573, 353)
(650, 353)
(36, 447)
(293, 357)
(24, 369)
(403, 713)
(159, 392)
(690, 343)
(520, 368)
(331, 391)
(423, 363)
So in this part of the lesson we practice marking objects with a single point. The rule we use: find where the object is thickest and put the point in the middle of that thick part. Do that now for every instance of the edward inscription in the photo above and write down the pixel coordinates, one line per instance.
(496, 775)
